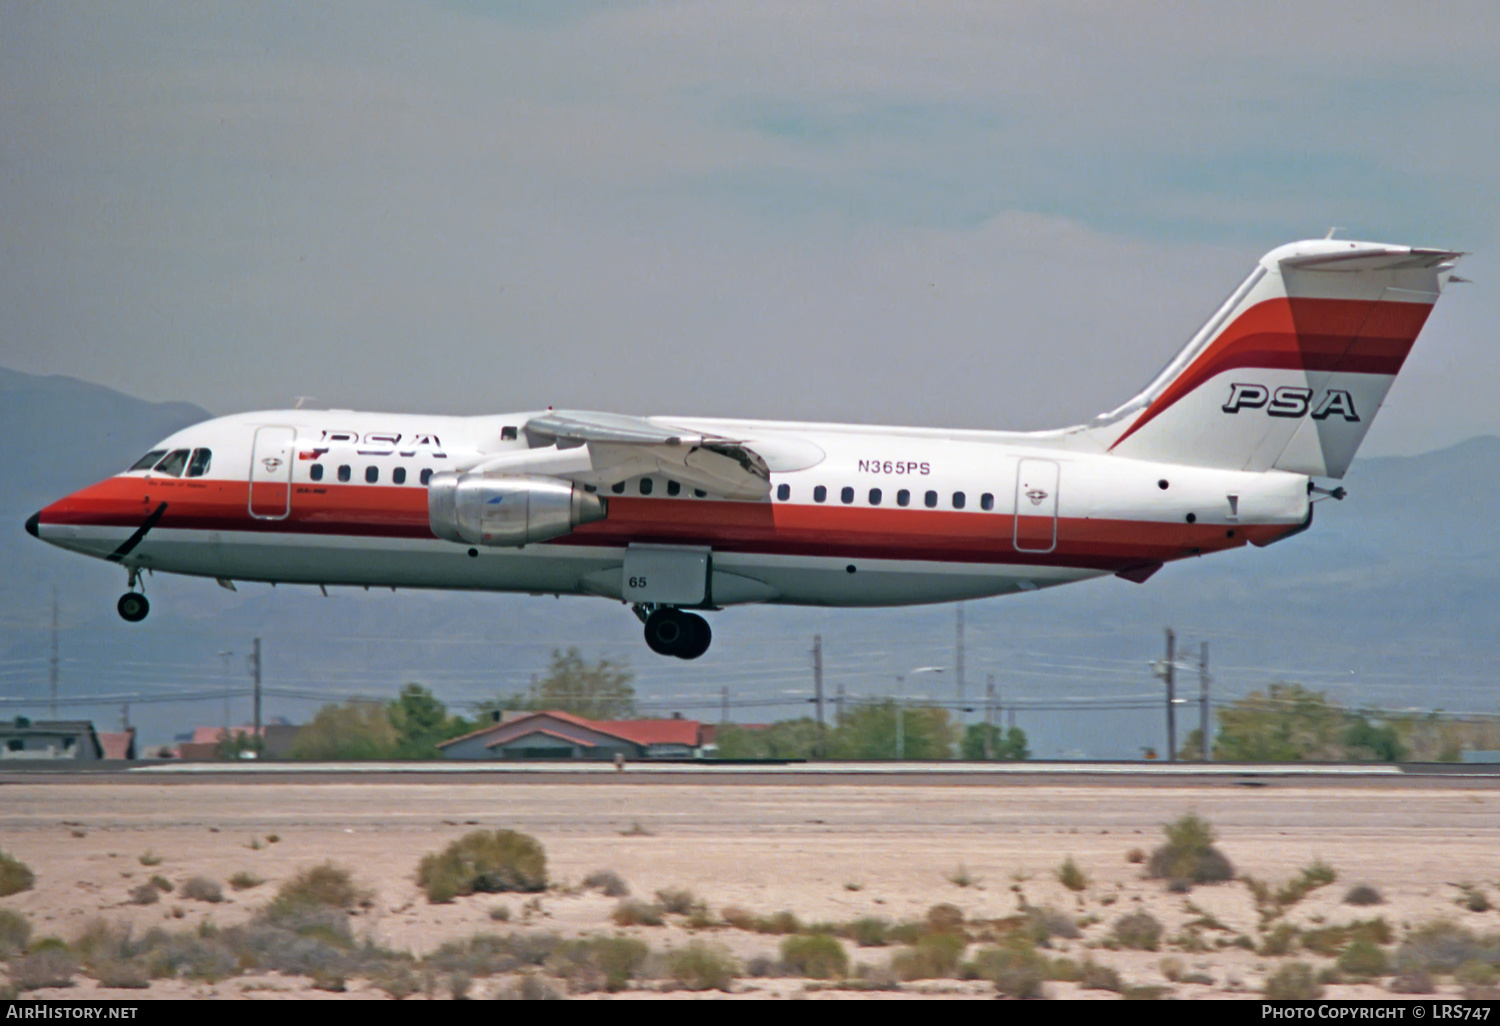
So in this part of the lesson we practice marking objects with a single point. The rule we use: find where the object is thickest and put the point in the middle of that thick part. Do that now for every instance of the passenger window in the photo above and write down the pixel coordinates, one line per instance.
(700, 493)
(344, 472)
(820, 493)
(646, 486)
(783, 492)
(148, 461)
(172, 464)
(507, 434)
(315, 471)
(398, 476)
(959, 500)
(903, 497)
(372, 474)
(931, 499)
(673, 488)
(847, 495)
(874, 496)
(426, 475)
(198, 465)
(986, 502)
(618, 487)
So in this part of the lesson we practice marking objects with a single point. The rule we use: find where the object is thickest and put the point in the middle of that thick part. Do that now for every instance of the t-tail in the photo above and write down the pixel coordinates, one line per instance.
(1291, 370)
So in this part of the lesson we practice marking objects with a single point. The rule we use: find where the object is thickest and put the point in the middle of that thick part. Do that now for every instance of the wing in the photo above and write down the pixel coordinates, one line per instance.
(602, 449)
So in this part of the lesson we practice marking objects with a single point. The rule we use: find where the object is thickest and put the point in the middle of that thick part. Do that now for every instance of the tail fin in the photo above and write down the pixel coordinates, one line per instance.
(1291, 370)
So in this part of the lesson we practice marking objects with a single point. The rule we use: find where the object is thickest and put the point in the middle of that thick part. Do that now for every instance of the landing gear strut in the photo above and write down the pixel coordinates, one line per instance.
(133, 606)
(671, 632)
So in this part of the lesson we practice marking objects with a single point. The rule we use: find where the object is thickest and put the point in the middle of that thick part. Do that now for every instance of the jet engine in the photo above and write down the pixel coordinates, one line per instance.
(479, 510)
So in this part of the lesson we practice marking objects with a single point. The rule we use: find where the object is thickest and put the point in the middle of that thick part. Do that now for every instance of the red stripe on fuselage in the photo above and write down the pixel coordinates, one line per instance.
(762, 528)
(1353, 336)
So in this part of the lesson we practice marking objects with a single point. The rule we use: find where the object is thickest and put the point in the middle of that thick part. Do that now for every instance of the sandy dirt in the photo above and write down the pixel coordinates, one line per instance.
(827, 852)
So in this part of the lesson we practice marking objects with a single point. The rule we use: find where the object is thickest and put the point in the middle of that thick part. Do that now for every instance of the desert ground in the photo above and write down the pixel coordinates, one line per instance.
(828, 851)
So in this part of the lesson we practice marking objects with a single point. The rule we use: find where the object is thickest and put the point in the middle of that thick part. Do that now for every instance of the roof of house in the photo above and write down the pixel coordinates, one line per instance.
(118, 744)
(639, 732)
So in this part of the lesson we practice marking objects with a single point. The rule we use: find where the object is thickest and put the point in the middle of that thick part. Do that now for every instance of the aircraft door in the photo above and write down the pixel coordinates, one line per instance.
(271, 473)
(1036, 506)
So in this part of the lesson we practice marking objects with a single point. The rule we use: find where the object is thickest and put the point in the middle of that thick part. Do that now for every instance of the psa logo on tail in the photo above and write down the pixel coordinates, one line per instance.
(1290, 401)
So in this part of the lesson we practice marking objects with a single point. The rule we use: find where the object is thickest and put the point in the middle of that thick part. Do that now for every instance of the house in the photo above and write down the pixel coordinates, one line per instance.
(203, 742)
(558, 735)
(118, 744)
(23, 738)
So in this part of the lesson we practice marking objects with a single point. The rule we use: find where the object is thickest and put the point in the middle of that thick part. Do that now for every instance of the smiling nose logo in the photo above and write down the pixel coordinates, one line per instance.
(1036, 495)
(271, 463)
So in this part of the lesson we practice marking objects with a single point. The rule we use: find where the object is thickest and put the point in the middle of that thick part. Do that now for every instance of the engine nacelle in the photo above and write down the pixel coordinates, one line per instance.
(478, 510)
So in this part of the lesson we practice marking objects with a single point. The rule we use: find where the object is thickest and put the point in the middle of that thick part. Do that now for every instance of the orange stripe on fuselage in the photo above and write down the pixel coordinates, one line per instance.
(380, 511)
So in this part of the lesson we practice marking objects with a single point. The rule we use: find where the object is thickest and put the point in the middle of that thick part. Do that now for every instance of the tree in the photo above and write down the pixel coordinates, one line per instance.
(1004, 744)
(598, 691)
(788, 739)
(1286, 723)
(1366, 742)
(420, 722)
(870, 732)
(358, 729)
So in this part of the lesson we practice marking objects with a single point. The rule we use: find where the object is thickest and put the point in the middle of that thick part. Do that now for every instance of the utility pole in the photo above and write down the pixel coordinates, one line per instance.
(724, 704)
(959, 660)
(989, 716)
(817, 654)
(52, 663)
(228, 688)
(838, 703)
(1203, 707)
(900, 731)
(1171, 677)
(255, 669)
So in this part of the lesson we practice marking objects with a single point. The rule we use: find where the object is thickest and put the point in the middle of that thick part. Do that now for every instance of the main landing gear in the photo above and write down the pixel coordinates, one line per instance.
(671, 632)
(133, 606)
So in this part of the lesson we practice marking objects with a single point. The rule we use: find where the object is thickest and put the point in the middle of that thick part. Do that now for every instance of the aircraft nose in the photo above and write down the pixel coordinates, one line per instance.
(31, 525)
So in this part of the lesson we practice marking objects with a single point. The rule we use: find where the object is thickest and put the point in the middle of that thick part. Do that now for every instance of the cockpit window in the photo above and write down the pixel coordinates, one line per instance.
(172, 465)
(198, 465)
(148, 461)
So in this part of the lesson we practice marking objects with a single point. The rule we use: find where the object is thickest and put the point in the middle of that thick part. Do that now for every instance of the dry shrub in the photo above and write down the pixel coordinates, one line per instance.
(15, 931)
(1071, 877)
(1294, 981)
(144, 894)
(702, 966)
(868, 931)
(599, 963)
(1443, 946)
(637, 913)
(1363, 894)
(50, 966)
(815, 955)
(1140, 931)
(1016, 971)
(15, 875)
(935, 956)
(201, 888)
(530, 987)
(484, 862)
(680, 902)
(1189, 856)
(243, 880)
(1363, 959)
(607, 882)
(1042, 924)
(1093, 976)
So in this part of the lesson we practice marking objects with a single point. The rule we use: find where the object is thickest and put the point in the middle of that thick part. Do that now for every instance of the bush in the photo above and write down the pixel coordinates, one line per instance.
(607, 882)
(1189, 856)
(701, 966)
(1071, 877)
(637, 913)
(599, 963)
(485, 862)
(934, 956)
(51, 966)
(1280, 941)
(945, 918)
(816, 955)
(1042, 924)
(144, 894)
(680, 902)
(1415, 982)
(1363, 894)
(15, 931)
(303, 902)
(1319, 874)
(1293, 982)
(1441, 947)
(868, 931)
(1363, 959)
(200, 888)
(1138, 930)
(1016, 972)
(1093, 976)
(243, 881)
(15, 875)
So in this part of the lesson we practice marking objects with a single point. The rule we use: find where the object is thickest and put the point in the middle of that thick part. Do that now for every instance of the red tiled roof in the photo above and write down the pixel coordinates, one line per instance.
(641, 732)
(546, 733)
(118, 745)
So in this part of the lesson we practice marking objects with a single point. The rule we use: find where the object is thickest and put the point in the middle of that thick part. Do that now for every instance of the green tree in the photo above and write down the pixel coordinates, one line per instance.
(1004, 744)
(787, 739)
(233, 743)
(870, 732)
(1364, 741)
(595, 691)
(1286, 723)
(421, 721)
(358, 729)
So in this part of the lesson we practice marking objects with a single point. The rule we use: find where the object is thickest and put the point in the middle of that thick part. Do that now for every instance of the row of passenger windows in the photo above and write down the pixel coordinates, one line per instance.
(876, 496)
(647, 486)
(177, 463)
(372, 474)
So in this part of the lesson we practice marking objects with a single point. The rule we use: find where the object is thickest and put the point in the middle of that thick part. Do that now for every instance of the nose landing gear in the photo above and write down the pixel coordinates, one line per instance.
(133, 606)
(671, 632)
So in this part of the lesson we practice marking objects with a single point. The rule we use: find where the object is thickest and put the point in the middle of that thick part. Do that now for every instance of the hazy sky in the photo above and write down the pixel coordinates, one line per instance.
(969, 214)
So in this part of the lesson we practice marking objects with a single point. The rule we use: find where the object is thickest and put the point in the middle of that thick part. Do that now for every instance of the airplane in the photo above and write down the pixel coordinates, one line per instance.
(676, 516)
